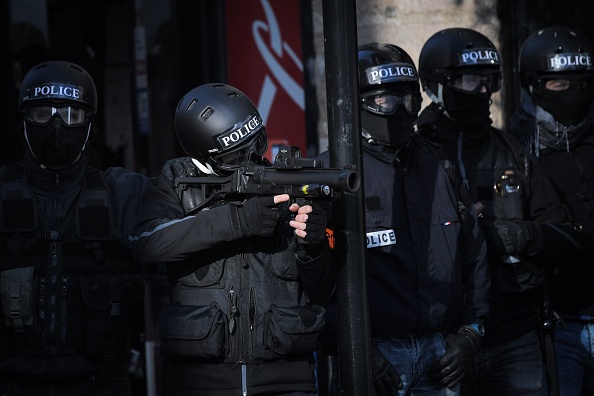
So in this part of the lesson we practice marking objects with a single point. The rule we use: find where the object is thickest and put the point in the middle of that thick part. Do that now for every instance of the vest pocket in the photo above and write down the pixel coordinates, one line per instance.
(290, 330)
(108, 301)
(188, 331)
(18, 290)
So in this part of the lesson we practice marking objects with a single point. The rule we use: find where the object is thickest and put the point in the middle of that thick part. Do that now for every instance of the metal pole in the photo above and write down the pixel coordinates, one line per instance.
(340, 47)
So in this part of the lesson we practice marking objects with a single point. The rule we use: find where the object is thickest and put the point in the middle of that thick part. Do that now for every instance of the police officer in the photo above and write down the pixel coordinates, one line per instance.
(556, 123)
(425, 259)
(460, 70)
(246, 296)
(66, 280)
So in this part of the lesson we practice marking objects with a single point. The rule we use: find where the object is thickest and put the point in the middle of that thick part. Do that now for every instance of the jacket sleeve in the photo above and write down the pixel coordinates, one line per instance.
(127, 188)
(319, 276)
(162, 233)
(475, 271)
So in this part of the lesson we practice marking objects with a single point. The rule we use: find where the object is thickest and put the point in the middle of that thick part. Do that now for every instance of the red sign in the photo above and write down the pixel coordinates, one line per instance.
(264, 60)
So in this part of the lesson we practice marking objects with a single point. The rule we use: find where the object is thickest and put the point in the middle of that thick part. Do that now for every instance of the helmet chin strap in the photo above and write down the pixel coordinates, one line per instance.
(204, 168)
(438, 99)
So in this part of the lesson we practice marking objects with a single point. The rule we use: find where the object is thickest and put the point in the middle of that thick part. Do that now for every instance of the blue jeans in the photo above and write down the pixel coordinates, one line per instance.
(574, 347)
(507, 368)
(412, 356)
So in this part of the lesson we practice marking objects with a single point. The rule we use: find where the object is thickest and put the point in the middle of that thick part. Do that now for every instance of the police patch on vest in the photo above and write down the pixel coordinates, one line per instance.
(56, 91)
(392, 72)
(380, 238)
(569, 61)
(478, 56)
(239, 133)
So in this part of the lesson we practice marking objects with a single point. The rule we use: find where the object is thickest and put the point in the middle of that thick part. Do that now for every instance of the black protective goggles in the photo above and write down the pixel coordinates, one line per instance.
(70, 115)
(473, 83)
(386, 103)
(241, 156)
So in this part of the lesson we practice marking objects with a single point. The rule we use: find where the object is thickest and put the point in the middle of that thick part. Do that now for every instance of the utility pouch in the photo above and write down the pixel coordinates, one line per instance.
(188, 331)
(290, 330)
(109, 301)
(18, 293)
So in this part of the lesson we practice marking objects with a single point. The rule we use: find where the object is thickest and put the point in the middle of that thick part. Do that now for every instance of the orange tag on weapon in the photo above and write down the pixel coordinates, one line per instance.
(330, 236)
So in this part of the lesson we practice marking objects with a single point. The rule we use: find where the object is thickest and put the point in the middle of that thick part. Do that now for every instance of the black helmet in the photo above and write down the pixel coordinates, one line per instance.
(390, 94)
(58, 81)
(218, 125)
(557, 72)
(58, 101)
(458, 50)
(553, 50)
(384, 66)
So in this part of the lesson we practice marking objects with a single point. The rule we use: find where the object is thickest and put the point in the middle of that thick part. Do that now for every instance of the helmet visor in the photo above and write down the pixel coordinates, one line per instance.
(474, 82)
(386, 103)
(70, 115)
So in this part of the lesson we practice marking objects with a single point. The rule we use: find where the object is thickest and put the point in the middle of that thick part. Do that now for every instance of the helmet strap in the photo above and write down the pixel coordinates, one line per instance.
(204, 168)
(438, 99)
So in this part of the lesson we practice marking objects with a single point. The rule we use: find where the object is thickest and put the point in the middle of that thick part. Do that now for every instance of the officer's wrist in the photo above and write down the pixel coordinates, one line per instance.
(477, 328)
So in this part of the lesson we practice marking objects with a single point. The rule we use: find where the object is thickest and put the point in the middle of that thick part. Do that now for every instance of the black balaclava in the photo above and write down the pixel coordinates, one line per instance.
(393, 131)
(468, 109)
(568, 107)
(56, 146)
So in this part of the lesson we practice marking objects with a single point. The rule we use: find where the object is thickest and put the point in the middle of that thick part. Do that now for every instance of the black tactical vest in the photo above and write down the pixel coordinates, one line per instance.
(68, 290)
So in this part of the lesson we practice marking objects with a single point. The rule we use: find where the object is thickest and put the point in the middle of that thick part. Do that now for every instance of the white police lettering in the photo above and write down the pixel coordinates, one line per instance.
(570, 62)
(391, 72)
(380, 238)
(479, 56)
(56, 90)
(231, 138)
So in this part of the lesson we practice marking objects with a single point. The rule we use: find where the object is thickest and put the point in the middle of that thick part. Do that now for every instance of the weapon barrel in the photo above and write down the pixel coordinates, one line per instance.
(338, 179)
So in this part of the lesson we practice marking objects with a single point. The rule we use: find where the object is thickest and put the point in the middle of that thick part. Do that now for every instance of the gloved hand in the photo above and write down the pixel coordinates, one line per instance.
(315, 229)
(510, 237)
(179, 167)
(386, 380)
(457, 359)
(256, 216)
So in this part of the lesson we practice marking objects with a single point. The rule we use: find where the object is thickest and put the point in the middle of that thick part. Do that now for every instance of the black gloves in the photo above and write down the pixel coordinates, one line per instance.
(457, 359)
(179, 167)
(315, 229)
(510, 237)
(386, 380)
(256, 216)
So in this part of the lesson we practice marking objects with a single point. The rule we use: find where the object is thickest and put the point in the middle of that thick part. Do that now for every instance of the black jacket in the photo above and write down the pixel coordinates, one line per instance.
(233, 299)
(571, 172)
(425, 260)
(491, 167)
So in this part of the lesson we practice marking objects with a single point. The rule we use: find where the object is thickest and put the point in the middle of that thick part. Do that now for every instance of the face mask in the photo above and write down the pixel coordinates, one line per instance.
(568, 107)
(56, 146)
(392, 131)
(466, 108)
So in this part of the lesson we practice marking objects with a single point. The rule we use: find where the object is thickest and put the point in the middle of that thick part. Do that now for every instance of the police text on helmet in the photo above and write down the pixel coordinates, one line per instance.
(390, 73)
(479, 56)
(56, 90)
(235, 136)
(570, 62)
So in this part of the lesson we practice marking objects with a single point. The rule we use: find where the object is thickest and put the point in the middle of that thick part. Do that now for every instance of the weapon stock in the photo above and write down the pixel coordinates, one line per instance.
(290, 174)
